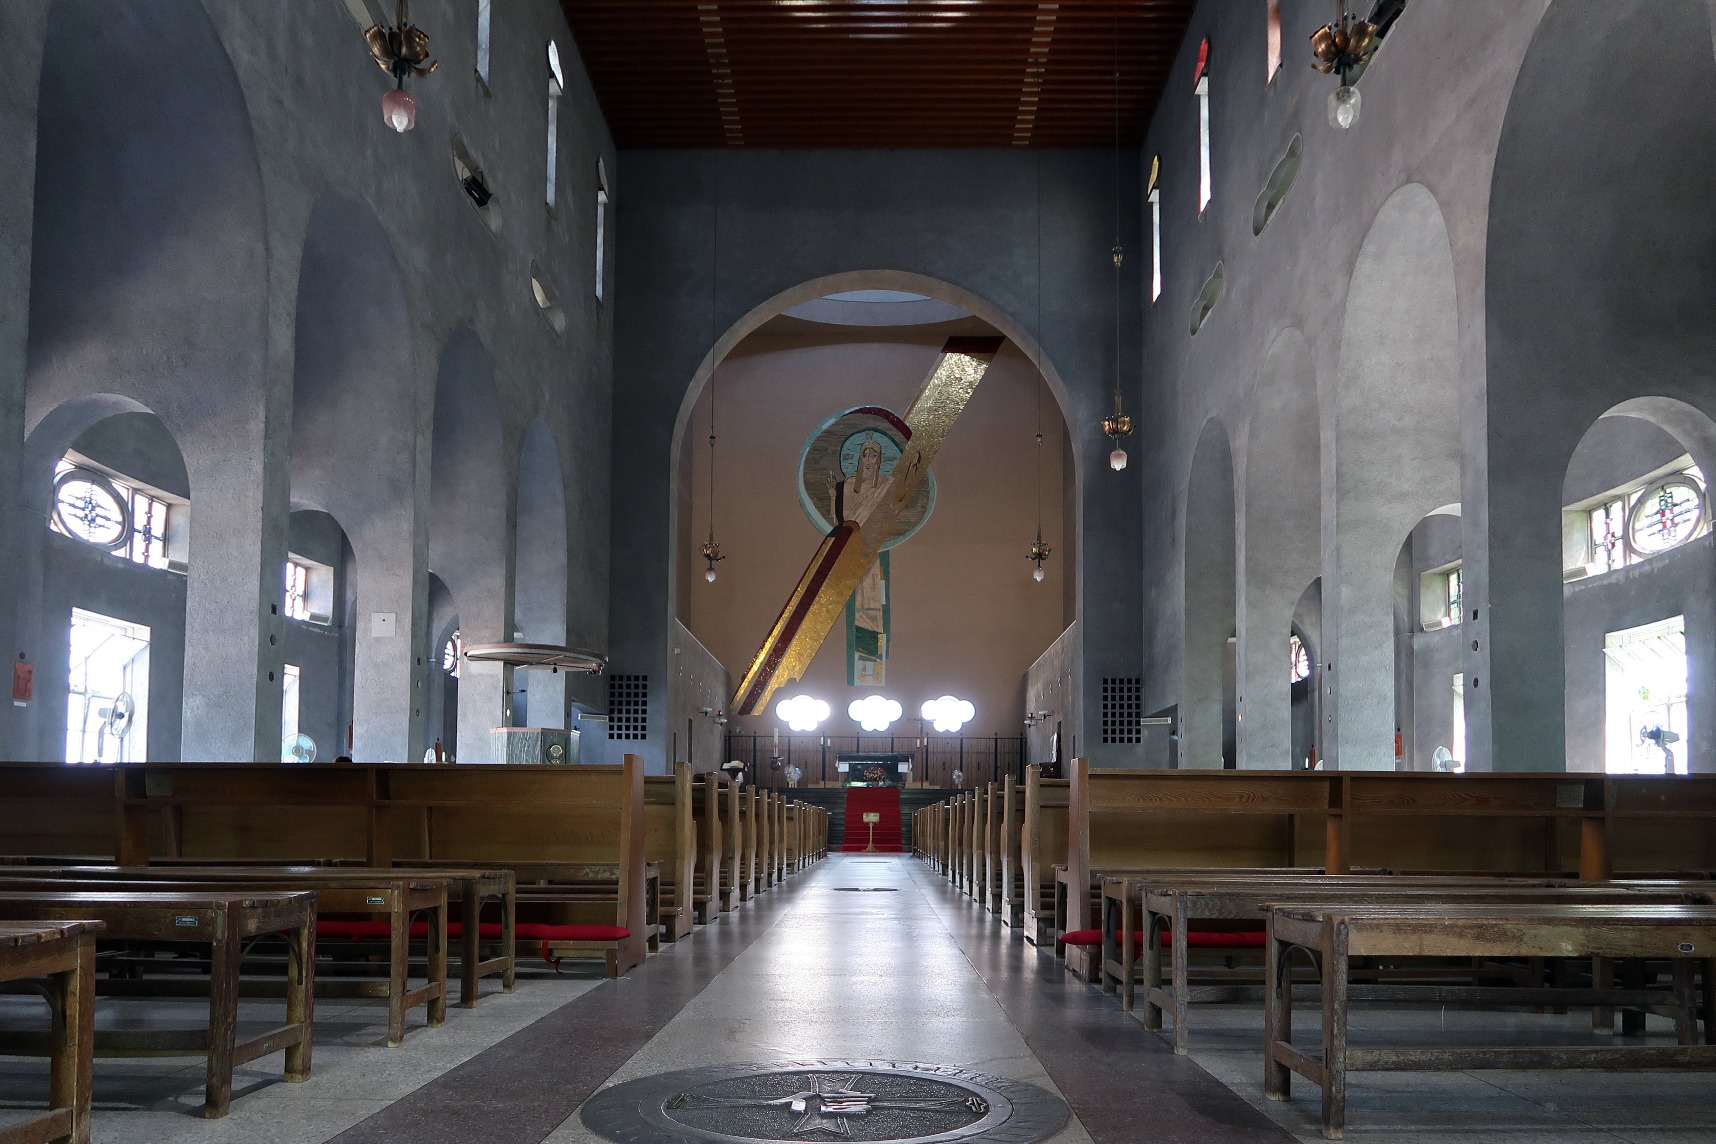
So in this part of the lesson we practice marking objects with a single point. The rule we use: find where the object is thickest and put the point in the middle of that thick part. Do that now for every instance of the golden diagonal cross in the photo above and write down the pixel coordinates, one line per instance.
(847, 552)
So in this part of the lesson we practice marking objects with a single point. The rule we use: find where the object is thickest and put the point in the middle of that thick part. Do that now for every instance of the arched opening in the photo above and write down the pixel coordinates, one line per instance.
(1305, 677)
(318, 638)
(148, 291)
(959, 586)
(1431, 630)
(1601, 277)
(1638, 622)
(1282, 544)
(1397, 458)
(1208, 696)
(469, 549)
(354, 450)
(441, 678)
(539, 572)
(109, 675)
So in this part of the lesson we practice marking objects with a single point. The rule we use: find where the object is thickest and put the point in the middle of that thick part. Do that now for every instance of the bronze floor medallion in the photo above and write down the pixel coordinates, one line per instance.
(900, 1102)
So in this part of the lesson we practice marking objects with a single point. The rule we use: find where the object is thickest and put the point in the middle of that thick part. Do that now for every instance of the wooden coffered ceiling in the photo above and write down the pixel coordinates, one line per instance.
(876, 73)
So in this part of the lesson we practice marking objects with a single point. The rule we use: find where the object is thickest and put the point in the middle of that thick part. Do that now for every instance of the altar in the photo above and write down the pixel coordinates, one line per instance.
(873, 768)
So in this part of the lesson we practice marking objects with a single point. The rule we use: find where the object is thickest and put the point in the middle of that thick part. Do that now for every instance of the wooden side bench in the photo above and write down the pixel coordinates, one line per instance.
(670, 838)
(1334, 934)
(709, 795)
(64, 953)
(226, 922)
(341, 893)
(1042, 847)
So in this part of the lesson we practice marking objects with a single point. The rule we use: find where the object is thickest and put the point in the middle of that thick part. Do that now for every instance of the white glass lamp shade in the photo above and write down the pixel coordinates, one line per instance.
(1117, 459)
(874, 712)
(949, 713)
(399, 110)
(1344, 107)
(1037, 573)
(802, 712)
(709, 574)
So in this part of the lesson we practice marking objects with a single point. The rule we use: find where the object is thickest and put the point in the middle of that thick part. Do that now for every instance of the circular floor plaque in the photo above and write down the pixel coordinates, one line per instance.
(896, 1101)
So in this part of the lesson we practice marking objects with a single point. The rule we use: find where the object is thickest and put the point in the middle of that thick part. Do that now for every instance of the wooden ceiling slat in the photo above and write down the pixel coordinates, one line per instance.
(884, 73)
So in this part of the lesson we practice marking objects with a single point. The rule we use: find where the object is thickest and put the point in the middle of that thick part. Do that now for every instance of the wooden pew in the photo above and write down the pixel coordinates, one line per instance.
(1010, 902)
(226, 923)
(1042, 847)
(1173, 903)
(733, 830)
(670, 838)
(340, 893)
(64, 953)
(710, 792)
(1338, 933)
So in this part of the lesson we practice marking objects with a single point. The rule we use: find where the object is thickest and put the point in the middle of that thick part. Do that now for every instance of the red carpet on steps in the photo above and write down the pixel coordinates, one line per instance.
(877, 800)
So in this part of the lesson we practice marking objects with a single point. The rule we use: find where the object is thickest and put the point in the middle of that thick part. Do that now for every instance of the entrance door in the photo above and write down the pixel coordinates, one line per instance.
(107, 708)
(1645, 710)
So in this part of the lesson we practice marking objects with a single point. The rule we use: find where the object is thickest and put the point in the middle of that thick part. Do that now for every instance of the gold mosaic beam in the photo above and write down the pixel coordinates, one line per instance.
(847, 553)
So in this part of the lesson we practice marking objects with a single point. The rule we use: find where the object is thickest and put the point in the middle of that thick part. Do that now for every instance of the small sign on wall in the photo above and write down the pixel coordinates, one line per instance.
(23, 683)
(383, 625)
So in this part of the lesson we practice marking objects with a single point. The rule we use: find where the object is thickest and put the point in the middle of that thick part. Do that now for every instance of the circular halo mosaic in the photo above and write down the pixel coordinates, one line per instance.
(895, 1101)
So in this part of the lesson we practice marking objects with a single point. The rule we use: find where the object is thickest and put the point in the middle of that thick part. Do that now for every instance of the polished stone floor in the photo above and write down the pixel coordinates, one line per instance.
(911, 971)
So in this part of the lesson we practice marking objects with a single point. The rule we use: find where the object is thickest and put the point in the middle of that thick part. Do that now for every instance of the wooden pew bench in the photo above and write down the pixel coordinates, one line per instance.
(570, 909)
(708, 795)
(1182, 907)
(1335, 934)
(225, 923)
(348, 901)
(64, 953)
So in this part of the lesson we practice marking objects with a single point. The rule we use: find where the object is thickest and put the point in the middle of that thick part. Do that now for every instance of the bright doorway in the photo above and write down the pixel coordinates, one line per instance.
(1645, 694)
(107, 708)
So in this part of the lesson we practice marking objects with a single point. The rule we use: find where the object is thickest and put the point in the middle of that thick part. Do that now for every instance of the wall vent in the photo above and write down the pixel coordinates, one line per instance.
(1122, 708)
(628, 707)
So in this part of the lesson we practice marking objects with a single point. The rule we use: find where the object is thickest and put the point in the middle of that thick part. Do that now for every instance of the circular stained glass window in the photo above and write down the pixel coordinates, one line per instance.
(450, 653)
(1667, 514)
(87, 506)
(1299, 660)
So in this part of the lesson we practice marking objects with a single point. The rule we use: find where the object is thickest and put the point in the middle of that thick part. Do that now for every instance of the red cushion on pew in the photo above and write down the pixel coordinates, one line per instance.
(532, 931)
(1195, 939)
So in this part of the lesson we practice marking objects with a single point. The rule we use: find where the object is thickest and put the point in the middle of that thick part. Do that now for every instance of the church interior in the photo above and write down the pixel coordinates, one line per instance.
(710, 571)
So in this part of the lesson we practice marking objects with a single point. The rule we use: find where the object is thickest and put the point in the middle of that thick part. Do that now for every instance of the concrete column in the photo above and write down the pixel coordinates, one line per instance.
(388, 682)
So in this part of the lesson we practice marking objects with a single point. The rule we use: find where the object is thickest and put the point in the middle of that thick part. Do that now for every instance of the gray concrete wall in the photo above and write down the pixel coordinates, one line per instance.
(698, 682)
(1053, 685)
(152, 245)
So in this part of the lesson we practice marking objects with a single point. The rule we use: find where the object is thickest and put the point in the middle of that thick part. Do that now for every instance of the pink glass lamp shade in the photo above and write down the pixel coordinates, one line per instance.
(399, 110)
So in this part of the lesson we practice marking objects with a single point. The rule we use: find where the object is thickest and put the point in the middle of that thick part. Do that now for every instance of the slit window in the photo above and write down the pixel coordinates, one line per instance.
(1154, 196)
(1273, 61)
(556, 84)
(483, 40)
(1202, 90)
(601, 229)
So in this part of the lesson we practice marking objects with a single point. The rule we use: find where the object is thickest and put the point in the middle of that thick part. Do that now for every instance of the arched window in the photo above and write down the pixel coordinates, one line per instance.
(112, 513)
(1655, 516)
(1298, 660)
(1202, 79)
(451, 652)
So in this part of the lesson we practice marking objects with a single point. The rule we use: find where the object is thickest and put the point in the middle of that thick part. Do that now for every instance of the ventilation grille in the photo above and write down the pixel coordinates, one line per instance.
(628, 706)
(1122, 708)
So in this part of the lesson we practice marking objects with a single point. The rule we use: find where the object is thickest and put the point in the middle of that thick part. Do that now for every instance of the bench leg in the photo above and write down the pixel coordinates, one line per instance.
(1685, 1002)
(72, 1063)
(1709, 1005)
(223, 1020)
(300, 996)
(1334, 1031)
(1127, 953)
(1602, 977)
(470, 951)
(1182, 980)
(398, 972)
(509, 932)
(1277, 1018)
(1632, 977)
(1152, 973)
(438, 965)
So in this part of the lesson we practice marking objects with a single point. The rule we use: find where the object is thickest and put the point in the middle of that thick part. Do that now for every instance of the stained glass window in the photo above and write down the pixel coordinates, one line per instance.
(1299, 660)
(91, 508)
(1667, 514)
(450, 654)
(1455, 596)
(297, 590)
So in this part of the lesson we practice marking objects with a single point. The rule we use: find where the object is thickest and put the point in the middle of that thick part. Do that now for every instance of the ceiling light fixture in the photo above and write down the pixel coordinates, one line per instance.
(949, 713)
(400, 51)
(1117, 425)
(802, 712)
(1039, 550)
(874, 712)
(712, 547)
(1344, 48)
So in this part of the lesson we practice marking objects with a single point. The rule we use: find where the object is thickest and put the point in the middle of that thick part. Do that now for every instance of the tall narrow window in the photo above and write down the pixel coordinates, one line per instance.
(483, 41)
(601, 228)
(1154, 194)
(1203, 93)
(1274, 60)
(556, 84)
(290, 707)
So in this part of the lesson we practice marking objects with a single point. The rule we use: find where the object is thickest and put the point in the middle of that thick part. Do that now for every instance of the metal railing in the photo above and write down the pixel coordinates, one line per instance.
(935, 758)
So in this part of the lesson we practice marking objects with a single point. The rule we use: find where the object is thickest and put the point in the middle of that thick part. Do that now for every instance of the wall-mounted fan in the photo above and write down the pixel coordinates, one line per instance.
(115, 722)
(1443, 760)
(299, 748)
